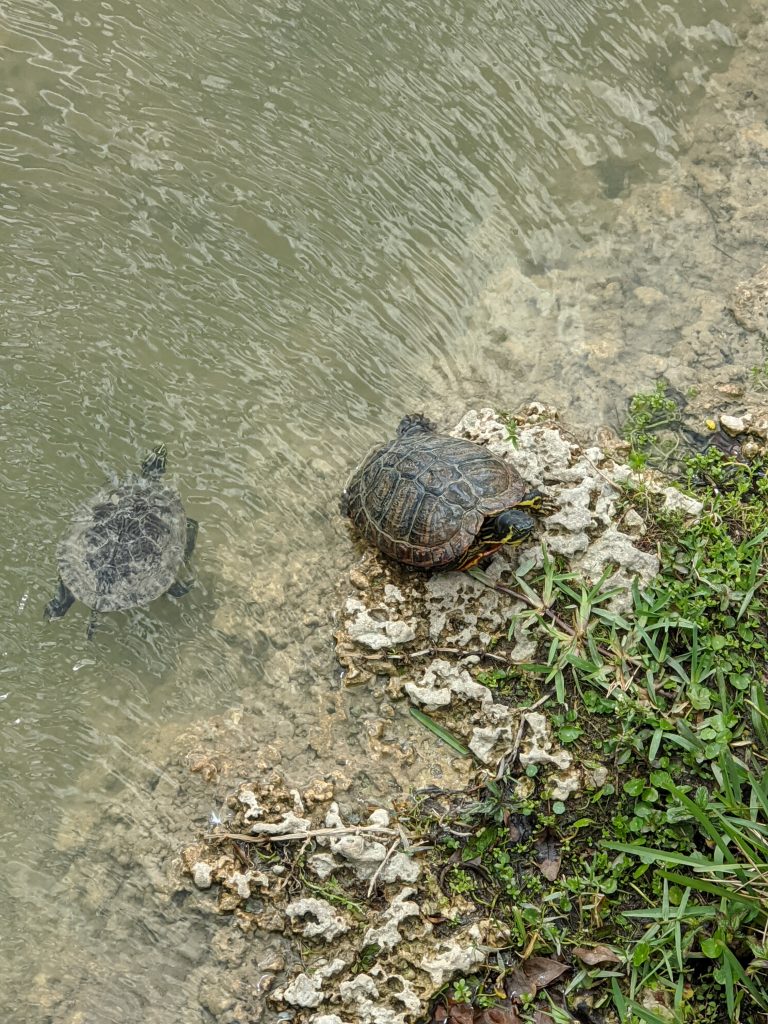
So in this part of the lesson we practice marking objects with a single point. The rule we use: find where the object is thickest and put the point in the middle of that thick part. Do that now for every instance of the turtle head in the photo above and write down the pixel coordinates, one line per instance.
(154, 464)
(513, 526)
(416, 423)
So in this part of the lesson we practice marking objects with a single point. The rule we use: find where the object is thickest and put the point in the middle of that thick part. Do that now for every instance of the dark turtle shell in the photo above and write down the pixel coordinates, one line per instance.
(423, 498)
(125, 545)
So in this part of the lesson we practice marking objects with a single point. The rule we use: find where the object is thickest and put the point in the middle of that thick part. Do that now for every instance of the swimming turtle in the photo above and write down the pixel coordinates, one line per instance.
(438, 502)
(125, 545)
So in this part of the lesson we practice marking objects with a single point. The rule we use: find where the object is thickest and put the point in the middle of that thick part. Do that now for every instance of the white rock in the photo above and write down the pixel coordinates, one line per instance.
(328, 923)
(443, 680)
(303, 991)
(248, 799)
(483, 741)
(322, 864)
(453, 958)
(239, 882)
(676, 501)
(537, 745)
(306, 990)
(288, 823)
(362, 854)
(387, 933)
(359, 989)
(565, 785)
(735, 425)
(400, 868)
(375, 633)
(634, 523)
(201, 875)
(611, 549)
(328, 970)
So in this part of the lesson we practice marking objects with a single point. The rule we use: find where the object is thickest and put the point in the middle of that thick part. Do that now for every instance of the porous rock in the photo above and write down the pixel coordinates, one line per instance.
(749, 302)
(387, 933)
(374, 633)
(452, 957)
(307, 990)
(441, 682)
(538, 747)
(324, 922)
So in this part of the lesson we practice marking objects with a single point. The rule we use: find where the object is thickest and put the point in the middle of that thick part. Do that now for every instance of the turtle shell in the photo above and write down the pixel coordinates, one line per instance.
(125, 545)
(423, 498)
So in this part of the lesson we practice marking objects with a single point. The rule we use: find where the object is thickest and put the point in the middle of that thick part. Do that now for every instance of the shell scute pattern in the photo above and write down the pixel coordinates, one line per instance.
(125, 546)
(422, 499)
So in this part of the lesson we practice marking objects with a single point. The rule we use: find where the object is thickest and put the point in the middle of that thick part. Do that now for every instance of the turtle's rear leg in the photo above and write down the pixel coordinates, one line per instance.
(92, 623)
(59, 603)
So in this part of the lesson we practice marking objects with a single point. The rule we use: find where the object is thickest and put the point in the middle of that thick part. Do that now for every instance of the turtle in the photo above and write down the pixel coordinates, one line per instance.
(125, 545)
(432, 501)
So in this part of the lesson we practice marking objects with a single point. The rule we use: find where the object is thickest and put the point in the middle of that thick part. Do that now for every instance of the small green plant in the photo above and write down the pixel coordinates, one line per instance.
(649, 415)
(462, 992)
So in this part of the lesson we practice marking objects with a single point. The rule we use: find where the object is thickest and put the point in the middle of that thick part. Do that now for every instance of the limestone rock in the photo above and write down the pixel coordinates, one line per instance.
(538, 746)
(387, 933)
(324, 921)
(749, 302)
(453, 957)
(377, 634)
(442, 681)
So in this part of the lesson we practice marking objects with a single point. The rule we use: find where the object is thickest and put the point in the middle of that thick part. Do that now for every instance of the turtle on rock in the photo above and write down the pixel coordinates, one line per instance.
(125, 545)
(437, 502)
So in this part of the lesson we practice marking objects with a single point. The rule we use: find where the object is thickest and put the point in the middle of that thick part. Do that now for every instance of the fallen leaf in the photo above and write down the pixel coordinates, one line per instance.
(518, 827)
(517, 985)
(461, 1013)
(498, 1015)
(596, 955)
(548, 856)
(541, 971)
(440, 1014)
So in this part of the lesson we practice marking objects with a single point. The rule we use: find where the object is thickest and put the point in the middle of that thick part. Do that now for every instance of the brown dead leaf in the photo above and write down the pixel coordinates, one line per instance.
(548, 856)
(541, 971)
(498, 1015)
(440, 1014)
(517, 985)
(460, 1013)
(515, 832)
(596, 955)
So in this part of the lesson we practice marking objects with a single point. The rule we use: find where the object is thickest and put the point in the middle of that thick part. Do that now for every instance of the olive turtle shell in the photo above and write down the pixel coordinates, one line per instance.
(125, 545)
(423, 498)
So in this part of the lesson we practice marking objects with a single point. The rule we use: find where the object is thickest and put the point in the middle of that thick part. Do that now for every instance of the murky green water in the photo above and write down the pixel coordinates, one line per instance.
(256, 232)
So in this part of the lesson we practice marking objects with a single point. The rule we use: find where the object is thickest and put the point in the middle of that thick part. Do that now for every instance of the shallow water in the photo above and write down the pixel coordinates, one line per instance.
(257, 233)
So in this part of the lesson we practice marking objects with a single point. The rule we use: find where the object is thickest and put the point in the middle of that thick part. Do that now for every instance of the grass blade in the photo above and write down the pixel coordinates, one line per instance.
(442, 733)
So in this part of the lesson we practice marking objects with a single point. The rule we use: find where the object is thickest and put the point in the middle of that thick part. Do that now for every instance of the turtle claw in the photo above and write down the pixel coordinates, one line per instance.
(179, 589)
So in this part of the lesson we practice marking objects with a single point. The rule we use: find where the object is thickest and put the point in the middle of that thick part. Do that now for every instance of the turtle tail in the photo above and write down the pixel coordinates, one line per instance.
(416, 423)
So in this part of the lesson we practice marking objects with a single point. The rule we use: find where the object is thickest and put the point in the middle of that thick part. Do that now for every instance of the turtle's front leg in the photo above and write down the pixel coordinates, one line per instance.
(59, 603)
